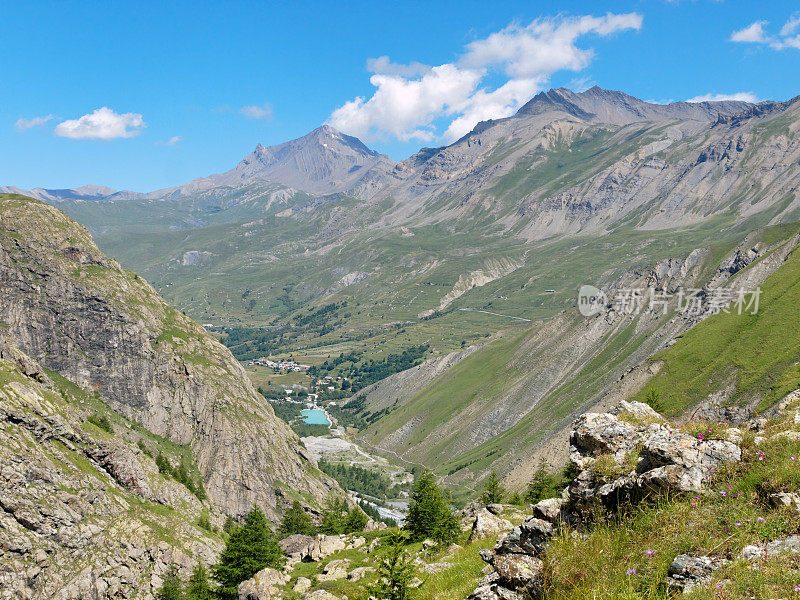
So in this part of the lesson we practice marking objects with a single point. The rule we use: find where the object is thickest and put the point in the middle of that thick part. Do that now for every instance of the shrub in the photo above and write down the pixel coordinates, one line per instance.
(102, 422)
(653, 399)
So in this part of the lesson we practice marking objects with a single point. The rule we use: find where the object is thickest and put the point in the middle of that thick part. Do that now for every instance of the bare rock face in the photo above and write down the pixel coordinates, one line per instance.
(79, 313)
(82, 516)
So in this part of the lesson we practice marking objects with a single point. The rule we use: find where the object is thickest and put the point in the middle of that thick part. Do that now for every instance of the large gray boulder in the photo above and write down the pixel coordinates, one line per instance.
(265, 585)
(336, 569)
(322, 547)
(530, 537)
(488, 524)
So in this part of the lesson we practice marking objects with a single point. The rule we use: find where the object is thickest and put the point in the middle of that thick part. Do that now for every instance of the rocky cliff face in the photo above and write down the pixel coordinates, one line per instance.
(84, 513)
(80, 314)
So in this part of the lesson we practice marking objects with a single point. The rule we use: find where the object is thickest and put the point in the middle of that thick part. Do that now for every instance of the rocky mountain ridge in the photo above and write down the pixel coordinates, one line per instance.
(103, 328)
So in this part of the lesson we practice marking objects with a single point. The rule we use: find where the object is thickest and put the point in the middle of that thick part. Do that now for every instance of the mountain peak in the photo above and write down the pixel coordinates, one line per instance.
(323, 161)
(609, 106)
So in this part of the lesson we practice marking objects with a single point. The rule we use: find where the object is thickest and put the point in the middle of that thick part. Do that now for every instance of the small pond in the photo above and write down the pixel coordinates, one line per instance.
(313, 416)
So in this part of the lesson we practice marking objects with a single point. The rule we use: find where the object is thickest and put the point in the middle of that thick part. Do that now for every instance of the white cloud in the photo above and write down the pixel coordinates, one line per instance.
(22, 123)
(170, 142)
(410, 99)
(741, 96)
(790, 27)
(257, 112)
(102, 124)
(406, 108)
(755, 33)
(384, 66)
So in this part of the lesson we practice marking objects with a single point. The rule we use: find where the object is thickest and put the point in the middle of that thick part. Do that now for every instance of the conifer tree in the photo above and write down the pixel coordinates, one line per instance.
(356, 521)
(251, 547)
(334, 516)
(199, 588)
(430, 514)
(296, 521)
(493, 492)
(172, 589)
(395, 571)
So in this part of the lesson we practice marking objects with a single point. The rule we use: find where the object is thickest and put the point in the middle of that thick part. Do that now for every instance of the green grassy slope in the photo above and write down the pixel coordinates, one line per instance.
(507, 378)
(755, 356)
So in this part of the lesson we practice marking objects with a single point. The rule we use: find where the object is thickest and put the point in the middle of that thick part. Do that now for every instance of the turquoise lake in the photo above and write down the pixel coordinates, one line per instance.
(312, 416)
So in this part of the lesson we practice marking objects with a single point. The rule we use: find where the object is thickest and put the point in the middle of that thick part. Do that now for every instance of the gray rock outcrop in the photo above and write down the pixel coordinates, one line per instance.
(105, 329)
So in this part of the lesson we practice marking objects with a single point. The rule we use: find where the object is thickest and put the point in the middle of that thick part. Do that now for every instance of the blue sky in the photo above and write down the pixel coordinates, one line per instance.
(190, 88)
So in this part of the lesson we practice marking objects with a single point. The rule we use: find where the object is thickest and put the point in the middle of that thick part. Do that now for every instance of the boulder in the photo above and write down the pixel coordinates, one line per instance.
(549, 509)
(687, 572)
(336, 569)
(680, 462)
(790, 545)
(359, 573)
(487, 524)
(495, 508)
(601, 433)
(296, 544)
(319, 595)
(530, 537)
(264, 585)
(519, 572)
(785, 500)
(640, 411)
(323, 546)
(302, 585)
(431, 568)
(357, 543)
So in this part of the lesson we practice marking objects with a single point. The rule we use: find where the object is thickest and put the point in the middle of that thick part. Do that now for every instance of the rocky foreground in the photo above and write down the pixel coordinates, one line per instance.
(630, 456)
(629, 461)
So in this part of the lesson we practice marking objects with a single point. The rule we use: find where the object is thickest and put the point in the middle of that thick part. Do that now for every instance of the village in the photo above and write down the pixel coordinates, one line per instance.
(279, 365)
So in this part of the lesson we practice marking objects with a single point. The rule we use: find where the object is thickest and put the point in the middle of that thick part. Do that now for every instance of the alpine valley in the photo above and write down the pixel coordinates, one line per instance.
(428, 310)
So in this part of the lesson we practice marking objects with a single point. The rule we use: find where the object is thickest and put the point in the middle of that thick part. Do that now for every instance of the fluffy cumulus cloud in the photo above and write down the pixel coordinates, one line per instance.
(22, 124)
(102, 124)
(756, 33)
(742, 96)
(257, 112)
(409, 100)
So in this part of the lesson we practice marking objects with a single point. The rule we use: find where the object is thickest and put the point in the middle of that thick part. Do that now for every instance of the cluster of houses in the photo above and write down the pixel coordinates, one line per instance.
(278, 365)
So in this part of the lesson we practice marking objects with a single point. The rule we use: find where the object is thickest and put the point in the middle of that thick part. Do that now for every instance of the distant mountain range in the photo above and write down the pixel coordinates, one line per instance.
(322, 162)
